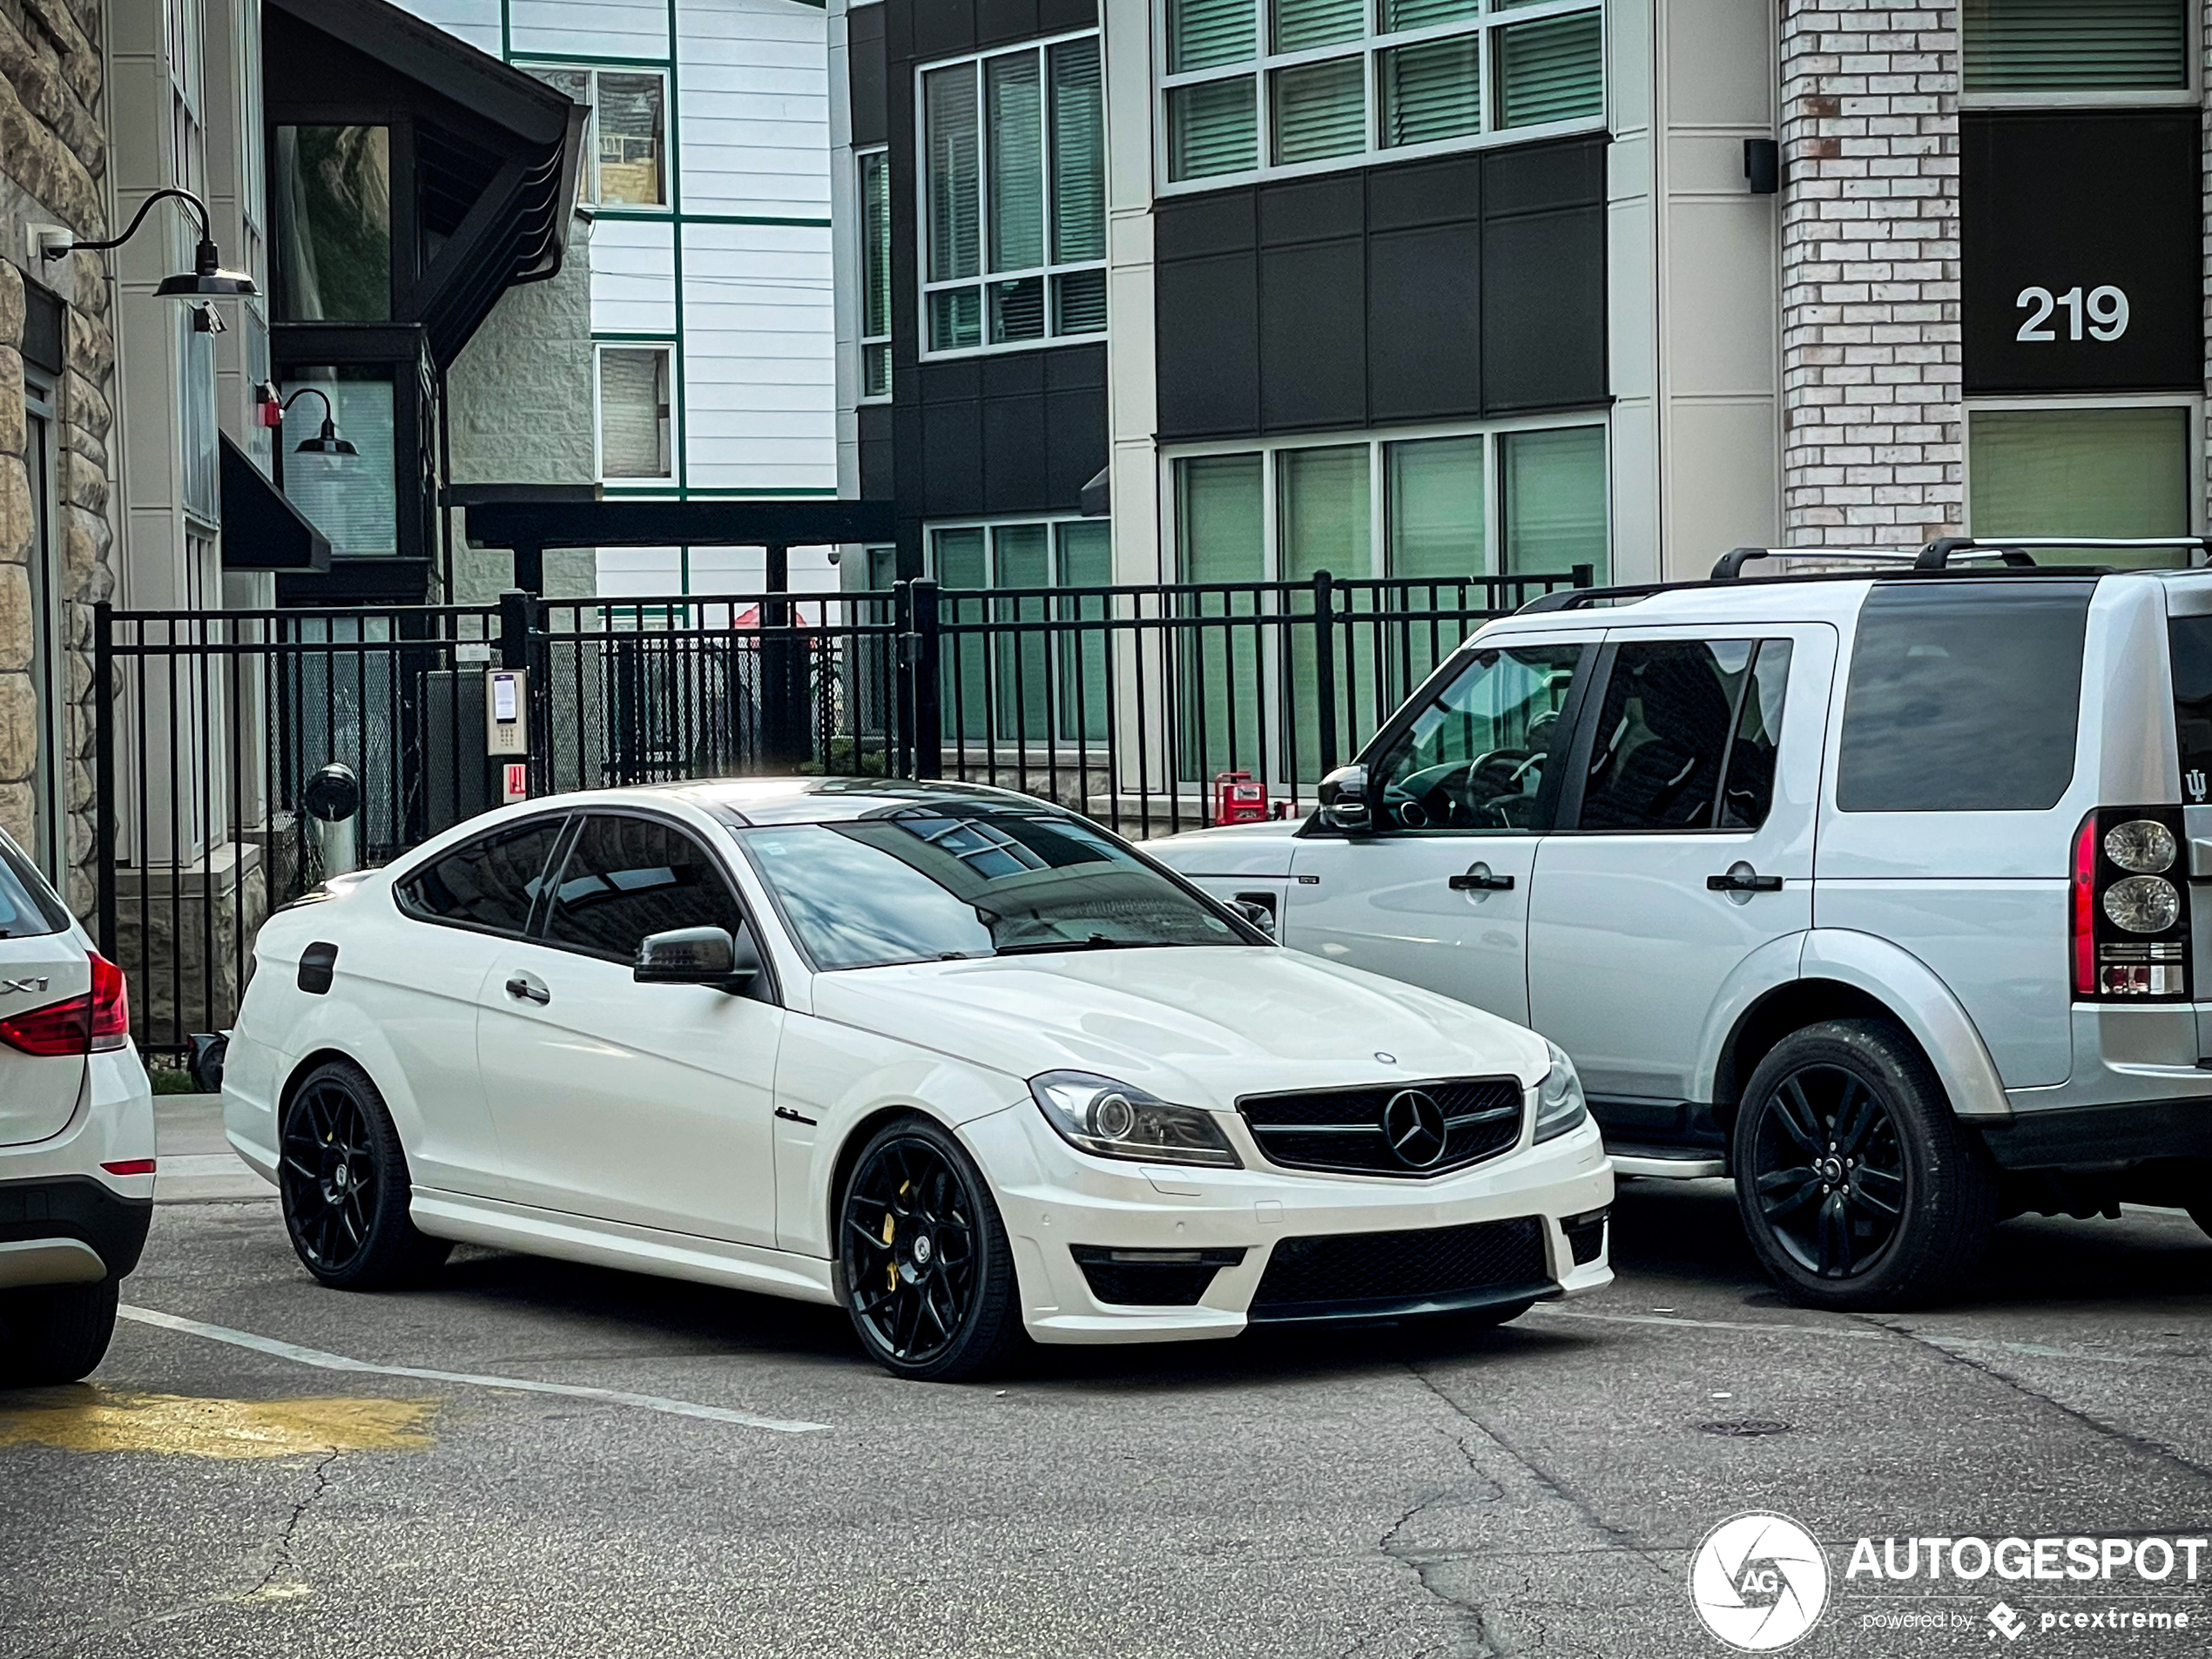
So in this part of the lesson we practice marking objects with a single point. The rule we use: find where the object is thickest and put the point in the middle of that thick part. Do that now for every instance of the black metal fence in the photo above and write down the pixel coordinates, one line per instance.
(1124, 703)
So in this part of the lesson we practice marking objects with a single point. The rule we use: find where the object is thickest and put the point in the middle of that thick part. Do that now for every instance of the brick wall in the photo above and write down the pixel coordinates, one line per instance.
(1871, 434)
(53, 161)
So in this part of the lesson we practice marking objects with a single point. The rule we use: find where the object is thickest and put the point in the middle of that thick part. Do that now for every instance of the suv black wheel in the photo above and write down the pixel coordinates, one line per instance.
(1857, 1185)
(56, 1333)
(928, 1274)
(343, 1179)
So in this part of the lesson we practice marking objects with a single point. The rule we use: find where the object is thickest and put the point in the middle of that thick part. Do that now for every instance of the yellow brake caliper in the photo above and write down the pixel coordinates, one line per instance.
(890, 1228)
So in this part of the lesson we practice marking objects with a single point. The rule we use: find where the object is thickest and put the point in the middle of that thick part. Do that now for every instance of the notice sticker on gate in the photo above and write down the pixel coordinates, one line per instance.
(514, 782)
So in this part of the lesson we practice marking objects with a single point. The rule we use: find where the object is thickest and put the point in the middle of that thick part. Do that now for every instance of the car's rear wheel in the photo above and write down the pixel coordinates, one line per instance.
(343, 1178)
(55, 1333)
(1857, 1185)
(927, 1272)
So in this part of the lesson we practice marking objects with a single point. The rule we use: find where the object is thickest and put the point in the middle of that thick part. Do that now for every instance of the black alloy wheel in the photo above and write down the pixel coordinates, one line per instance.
(928, 1277)
(1858, 1186)
(1830, 1174)
(343, 1180)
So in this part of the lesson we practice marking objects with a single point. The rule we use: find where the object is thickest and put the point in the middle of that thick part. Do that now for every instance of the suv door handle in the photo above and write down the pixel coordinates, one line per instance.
(1478, 879)
(529, 990)
(1741, 877)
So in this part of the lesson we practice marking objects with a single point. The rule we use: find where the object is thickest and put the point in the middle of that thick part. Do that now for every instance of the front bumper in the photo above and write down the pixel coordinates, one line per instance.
(56, 1201)
(1056, 1200)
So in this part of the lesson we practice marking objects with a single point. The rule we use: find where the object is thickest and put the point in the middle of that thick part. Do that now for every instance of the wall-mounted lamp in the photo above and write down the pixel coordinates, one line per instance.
(327, 441)
(206, 279)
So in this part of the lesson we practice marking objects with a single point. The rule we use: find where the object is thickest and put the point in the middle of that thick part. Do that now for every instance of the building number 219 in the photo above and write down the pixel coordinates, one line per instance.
(2106, 309)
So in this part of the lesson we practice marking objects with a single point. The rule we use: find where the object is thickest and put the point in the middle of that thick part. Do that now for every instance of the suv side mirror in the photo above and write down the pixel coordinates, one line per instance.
(697, 956)
(1258, 911)
(1344, 802)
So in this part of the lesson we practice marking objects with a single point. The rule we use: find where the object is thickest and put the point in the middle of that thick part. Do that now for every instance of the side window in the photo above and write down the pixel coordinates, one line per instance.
(1474, 758)
(628, 877)
(489, 883)
(1680, 716)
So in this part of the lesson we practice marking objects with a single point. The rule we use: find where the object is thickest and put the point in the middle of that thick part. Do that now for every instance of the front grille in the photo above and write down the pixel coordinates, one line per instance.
(1340, 1131)
(1151, 1278)
(1345, 1273)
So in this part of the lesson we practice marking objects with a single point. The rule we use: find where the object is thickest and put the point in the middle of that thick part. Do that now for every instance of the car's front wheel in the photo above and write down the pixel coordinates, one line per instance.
(55, 1333)
(928, 1273)
(1857, 1185)
(343, 1178)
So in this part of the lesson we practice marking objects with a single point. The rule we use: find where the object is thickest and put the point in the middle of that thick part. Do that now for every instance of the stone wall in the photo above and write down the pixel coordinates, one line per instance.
(53, 163)
(520, 397)
(1872, 441)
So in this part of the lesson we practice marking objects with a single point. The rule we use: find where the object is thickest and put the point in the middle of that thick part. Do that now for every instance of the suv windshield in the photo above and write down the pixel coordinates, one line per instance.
(933, 883)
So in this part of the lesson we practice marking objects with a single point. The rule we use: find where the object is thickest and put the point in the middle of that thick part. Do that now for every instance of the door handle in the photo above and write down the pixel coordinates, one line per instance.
(1478, 879)
(521, 987)
(1741, 877)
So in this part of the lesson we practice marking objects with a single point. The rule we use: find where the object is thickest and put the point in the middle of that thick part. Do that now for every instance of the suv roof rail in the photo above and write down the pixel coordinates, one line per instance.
(1938, 554)
(1730, 566)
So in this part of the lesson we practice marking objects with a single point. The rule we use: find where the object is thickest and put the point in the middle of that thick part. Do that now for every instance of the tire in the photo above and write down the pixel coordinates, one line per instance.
(1858, 1187)
(926, 1275)
(342, 1177)
(55, 1333)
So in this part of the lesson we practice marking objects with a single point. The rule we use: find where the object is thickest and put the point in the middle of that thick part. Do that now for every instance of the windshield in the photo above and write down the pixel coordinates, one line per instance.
(933, 883)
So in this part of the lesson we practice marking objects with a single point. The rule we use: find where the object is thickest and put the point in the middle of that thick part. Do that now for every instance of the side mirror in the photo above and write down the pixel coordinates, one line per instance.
(697, 956)
(1257, 911)
(1344, 803)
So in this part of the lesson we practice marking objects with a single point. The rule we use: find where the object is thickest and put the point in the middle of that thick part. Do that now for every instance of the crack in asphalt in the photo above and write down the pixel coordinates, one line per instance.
(281, 1562)
(2143, 1443)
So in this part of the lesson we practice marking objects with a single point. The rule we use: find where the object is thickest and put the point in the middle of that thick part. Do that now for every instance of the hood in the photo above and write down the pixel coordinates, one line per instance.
(1201, 1024)
(1234, 849)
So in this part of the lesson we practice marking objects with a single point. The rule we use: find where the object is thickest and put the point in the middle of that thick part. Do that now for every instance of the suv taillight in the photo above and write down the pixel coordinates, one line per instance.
(92, 1021)
(2128, 906)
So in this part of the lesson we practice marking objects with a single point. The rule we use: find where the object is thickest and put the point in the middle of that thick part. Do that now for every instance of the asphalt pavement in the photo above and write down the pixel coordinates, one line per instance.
(533, 1459)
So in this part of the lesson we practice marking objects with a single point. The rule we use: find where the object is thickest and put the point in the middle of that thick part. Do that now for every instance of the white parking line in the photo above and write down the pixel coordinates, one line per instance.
(339, 1362)
(1865, 1333)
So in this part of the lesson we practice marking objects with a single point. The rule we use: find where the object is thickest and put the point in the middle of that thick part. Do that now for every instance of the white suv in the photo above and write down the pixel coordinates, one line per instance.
(77, 1145)
(1889, 895)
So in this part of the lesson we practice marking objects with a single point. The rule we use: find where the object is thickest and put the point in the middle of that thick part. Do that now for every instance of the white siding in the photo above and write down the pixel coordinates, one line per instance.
(755, 108)
(596, 28)
(656, 572)
(760, 397)
(633, 277)
(475, 21)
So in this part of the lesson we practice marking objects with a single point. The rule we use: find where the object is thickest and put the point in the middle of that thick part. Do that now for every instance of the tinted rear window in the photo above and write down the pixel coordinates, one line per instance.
(2192, 653)
(1964, 697)
(489, 883)
(28, 905)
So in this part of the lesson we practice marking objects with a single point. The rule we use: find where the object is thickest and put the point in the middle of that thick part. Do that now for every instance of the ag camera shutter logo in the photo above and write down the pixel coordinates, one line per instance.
(1759, 1581)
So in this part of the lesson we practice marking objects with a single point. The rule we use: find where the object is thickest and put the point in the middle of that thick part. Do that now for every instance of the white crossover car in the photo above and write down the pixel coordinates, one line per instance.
(955, 1060)
(76, 1143)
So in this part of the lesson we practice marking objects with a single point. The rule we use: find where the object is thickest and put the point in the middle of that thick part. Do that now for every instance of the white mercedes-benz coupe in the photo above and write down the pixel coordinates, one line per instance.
(954, 1059)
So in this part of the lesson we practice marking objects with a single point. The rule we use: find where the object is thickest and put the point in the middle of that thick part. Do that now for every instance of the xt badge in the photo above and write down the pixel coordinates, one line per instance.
(24, 985)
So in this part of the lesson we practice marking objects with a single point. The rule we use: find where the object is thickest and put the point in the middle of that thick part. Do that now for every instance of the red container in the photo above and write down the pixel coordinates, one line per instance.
(1237, 800)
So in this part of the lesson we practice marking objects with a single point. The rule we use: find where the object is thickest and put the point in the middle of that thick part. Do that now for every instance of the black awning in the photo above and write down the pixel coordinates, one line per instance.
(494, 153)
(261, 529)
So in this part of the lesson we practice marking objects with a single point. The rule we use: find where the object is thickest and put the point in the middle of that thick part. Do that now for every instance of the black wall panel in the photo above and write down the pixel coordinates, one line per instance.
(999, 21)
(865, 73)
(876, 424)
(1449, 289)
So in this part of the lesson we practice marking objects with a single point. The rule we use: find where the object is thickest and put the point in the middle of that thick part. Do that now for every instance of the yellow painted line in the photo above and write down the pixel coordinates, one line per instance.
(87, 1418)
(318, 1359)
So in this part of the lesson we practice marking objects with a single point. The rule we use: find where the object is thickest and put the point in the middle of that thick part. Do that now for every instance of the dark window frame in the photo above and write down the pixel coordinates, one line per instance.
(1577, 771)
(563, 821)
(769, 987)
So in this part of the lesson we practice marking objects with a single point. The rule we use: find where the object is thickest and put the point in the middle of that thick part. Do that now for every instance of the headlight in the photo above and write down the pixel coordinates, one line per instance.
(2142, 845)
(2143, 904)
(1560, 1105)
(1114, 1120)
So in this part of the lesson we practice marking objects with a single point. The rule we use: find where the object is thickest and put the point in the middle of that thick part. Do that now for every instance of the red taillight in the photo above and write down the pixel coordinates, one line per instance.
(111, 1006)
(96, 1020)
(2082, 907)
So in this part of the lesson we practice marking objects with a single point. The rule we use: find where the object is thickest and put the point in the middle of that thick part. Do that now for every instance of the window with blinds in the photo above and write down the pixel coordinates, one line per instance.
(2119, 472)
(1038, 684)
(875, 272)
(634, 424)
(2067, 46)
(1266, 86)
(625, 163)
(1014, 190)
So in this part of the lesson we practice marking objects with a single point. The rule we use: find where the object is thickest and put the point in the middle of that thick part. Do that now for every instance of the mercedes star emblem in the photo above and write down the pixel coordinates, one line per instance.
(1413, 1124)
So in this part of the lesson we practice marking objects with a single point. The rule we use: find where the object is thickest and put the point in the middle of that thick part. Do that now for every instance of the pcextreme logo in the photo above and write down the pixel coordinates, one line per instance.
(1759, 1581)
